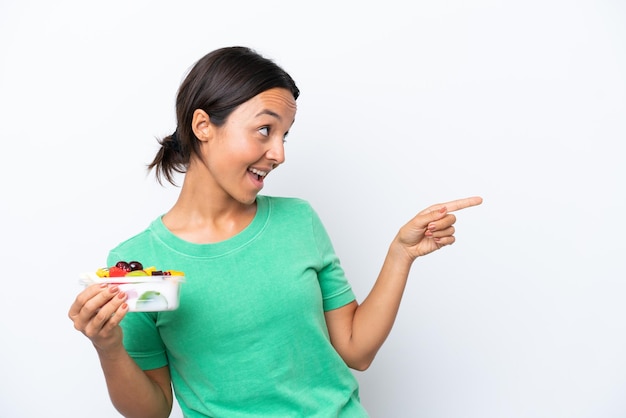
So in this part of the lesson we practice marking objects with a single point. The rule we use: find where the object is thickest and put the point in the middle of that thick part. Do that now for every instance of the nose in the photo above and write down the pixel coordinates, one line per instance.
(276, 152)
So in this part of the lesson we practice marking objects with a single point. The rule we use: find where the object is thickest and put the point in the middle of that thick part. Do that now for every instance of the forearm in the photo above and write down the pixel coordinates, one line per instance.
(132, 392)
(358, 332)
(375, 316)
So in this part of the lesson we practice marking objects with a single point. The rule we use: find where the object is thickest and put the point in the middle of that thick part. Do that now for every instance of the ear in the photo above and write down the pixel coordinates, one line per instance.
(201, 125)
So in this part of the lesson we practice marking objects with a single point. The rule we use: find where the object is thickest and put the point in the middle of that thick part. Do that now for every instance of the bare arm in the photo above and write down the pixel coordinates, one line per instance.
(97, 312)
(358, 331)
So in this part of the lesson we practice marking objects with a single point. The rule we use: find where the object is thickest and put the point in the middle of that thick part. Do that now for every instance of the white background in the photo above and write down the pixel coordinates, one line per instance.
(404, 104)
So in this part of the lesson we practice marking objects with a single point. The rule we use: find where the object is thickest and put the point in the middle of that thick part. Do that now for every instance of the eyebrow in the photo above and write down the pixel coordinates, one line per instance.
(272, 113)
(268, 112)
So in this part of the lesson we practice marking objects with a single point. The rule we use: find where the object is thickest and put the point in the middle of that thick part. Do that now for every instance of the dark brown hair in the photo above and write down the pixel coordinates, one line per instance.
(218, 83)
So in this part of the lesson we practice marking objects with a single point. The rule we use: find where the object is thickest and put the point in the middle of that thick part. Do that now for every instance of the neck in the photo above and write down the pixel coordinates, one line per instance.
(203, 216)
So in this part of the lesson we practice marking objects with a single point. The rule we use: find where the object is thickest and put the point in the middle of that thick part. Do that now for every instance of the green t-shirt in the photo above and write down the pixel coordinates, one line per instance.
(249, 338)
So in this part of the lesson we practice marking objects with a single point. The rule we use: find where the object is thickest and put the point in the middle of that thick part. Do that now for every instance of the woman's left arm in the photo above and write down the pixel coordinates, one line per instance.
(358, 331)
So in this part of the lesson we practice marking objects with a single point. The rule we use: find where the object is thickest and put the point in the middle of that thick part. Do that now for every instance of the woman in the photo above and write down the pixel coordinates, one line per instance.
(268, 325)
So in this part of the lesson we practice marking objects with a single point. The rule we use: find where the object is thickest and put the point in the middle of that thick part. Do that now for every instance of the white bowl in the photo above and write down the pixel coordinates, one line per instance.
(144, 293)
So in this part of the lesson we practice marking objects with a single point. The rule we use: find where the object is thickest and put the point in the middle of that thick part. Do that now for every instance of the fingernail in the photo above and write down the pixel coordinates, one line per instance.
(121, 295)
(443, 210)
(114, 289)
(432, 227)
(103, 285)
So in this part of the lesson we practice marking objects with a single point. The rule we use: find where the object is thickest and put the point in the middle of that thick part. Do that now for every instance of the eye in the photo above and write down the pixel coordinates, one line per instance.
(265, 130)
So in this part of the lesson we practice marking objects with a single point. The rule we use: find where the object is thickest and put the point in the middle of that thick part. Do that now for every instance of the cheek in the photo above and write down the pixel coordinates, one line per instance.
(217, 150)
(232, 152)
(245, 151)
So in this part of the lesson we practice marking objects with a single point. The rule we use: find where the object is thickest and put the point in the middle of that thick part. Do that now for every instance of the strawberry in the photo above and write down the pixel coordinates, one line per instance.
(117, 272)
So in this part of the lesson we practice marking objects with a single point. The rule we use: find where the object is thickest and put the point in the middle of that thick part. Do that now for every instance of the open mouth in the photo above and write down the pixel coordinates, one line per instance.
(260, 174)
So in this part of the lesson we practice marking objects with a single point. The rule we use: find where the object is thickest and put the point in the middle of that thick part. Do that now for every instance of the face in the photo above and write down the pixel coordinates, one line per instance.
(240, 154)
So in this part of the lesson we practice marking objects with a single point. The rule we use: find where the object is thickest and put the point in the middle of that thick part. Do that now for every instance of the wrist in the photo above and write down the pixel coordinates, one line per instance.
(399, 253)
(111, 353)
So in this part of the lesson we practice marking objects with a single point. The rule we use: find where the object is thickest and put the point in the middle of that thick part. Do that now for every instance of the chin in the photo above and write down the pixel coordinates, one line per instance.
(245, 196)
(247, 200)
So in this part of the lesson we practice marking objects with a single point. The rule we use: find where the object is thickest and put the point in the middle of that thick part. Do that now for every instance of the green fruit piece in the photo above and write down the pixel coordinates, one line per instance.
(152, 300)
(137, 273)
(150, 294)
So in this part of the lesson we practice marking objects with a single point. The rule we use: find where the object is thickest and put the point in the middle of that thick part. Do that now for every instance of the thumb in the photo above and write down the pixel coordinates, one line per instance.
(435, 214)
(425, 217)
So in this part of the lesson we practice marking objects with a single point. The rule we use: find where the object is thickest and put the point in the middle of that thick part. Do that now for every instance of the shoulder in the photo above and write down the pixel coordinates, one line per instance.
(137, 241)
(139, 236)
(287, 204)
(295, 212)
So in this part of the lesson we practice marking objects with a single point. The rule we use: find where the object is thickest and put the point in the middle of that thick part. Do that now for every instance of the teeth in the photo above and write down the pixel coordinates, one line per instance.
(258, 172)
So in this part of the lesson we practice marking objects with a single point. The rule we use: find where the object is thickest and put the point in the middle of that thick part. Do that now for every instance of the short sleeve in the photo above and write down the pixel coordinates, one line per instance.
(142, 340)
(141, 335)
(336, 290)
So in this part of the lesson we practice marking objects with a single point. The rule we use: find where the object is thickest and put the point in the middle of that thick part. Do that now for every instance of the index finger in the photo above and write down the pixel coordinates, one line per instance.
(458, 204)
(88, 293)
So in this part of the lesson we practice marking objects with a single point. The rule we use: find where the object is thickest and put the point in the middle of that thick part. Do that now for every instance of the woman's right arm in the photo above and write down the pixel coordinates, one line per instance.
(97, 312)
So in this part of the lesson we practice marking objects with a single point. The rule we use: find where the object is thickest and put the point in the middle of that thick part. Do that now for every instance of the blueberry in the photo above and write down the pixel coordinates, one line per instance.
(123, 265)
(135, 265)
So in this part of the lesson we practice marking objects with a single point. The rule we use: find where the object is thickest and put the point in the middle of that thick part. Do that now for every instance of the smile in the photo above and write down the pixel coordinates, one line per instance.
(259, 173)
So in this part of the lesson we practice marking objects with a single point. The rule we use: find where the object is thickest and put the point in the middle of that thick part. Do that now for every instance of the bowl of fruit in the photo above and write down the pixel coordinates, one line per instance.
(148, 289)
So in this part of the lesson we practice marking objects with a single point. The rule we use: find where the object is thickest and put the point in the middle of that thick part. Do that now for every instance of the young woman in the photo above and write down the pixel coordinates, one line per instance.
(268, 325)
